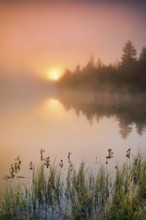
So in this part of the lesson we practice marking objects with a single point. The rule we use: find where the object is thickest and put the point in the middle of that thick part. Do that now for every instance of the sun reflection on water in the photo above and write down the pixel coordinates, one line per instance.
(52, 108)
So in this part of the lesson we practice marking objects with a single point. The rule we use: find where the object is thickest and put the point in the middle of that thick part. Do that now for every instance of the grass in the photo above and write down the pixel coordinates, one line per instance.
(56, 193)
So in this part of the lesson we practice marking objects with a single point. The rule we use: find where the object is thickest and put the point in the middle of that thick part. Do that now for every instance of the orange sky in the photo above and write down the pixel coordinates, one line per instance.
(39, 36)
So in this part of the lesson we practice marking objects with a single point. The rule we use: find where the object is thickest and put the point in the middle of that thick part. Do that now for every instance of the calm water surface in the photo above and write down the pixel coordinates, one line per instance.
(62, 122)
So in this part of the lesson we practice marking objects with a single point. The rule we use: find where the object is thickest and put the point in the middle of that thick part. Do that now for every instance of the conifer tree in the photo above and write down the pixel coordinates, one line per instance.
(129, 54)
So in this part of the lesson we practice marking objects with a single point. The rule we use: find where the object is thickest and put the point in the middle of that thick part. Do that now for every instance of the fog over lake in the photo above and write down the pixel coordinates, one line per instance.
(38, 116)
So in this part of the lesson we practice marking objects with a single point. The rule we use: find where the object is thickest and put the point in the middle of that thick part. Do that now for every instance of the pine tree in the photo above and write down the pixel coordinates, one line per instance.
(129, 54)
(142, 58)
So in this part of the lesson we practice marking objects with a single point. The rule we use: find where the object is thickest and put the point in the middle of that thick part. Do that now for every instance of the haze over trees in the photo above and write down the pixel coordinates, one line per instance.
(128, 74)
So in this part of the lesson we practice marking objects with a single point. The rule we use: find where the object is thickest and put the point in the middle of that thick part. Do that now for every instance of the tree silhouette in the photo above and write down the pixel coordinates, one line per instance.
(142, 58)
(77, 69)
(141, 78)
(90, 65)
(128, 75)
(129, 54)
(99, 64)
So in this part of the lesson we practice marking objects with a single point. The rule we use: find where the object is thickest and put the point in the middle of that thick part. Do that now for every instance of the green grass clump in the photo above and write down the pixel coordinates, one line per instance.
(129, 198)
(57, 192)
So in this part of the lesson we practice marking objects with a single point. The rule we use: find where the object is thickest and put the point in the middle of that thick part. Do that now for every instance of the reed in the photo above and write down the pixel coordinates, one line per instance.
(55, 191)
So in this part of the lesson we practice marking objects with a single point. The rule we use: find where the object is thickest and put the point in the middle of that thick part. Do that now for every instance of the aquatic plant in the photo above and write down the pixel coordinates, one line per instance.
(58, 192)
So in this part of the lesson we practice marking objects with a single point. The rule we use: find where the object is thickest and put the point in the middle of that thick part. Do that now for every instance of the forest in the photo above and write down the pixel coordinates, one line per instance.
(129, 74)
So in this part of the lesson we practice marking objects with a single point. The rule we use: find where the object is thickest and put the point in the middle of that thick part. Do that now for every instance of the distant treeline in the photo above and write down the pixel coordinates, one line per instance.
(129, 73)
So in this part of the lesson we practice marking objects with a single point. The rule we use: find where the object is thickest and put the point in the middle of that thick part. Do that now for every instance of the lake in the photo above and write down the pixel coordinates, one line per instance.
(85, 124)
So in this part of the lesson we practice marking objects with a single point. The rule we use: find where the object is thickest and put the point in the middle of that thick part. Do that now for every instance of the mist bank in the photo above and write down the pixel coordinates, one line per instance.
(19, 90)
(24, 82)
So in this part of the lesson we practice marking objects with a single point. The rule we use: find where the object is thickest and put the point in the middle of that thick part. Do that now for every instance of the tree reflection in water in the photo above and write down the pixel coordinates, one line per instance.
(127, 109)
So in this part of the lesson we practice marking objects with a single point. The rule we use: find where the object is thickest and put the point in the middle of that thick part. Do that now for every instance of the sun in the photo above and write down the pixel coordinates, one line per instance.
(54, 74)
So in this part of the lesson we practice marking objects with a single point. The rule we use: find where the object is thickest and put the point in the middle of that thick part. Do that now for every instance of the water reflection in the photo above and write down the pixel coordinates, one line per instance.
(51, 109)
(127, 109)
(57, 122)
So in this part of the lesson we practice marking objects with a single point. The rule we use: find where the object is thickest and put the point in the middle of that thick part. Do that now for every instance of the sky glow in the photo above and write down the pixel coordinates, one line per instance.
(37, 36)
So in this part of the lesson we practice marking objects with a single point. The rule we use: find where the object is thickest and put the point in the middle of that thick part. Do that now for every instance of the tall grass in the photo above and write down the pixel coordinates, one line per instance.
(56, 193)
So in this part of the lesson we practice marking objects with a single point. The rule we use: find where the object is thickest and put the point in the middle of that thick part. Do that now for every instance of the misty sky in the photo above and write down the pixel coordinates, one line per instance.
(40, 35)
